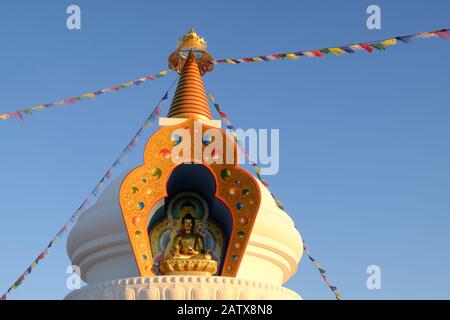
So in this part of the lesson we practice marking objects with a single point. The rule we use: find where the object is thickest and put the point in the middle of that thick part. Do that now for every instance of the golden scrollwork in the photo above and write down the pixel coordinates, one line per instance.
(144, 187)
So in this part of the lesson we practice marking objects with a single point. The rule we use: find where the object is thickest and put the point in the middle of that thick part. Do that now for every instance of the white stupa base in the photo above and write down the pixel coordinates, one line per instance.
(183, 288)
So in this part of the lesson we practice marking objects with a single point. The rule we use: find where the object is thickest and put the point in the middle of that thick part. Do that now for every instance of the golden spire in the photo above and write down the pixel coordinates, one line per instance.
(191, 61)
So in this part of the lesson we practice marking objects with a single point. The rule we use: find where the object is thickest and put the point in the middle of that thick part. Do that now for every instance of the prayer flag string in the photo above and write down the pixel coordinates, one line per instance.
(91, 95)
(231, 129)
(322, 272)
(154, 115)
(257, 170)
(379, 45)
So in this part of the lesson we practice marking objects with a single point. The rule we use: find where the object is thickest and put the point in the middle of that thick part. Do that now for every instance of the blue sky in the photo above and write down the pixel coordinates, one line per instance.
(365, 157)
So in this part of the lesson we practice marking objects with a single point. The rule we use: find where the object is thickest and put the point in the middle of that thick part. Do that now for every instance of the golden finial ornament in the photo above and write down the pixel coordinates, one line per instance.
(191, 42)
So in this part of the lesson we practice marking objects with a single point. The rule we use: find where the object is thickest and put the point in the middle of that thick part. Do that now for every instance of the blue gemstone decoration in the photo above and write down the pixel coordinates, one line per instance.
(206, 140)
(240, 205)
(176, 138)
(141, 205)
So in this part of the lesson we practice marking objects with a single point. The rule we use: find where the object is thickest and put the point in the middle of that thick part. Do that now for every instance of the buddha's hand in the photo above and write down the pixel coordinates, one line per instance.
(191, 251)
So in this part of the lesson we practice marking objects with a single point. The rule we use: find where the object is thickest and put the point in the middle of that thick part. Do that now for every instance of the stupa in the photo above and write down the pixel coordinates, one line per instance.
(188, 223)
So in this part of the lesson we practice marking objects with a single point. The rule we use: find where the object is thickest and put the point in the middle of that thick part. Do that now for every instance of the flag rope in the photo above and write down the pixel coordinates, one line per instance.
(322, 272)
(232, 130)
(91, 95)
(154, 115)
(380, 45)
(257, 170)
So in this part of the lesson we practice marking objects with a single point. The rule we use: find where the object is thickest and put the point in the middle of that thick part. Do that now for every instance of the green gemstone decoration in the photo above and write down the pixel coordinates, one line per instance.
(156, 172)
(225, 173)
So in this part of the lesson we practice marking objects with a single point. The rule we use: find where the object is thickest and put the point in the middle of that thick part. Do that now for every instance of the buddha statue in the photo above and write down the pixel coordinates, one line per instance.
(189, 244)
(188, 254)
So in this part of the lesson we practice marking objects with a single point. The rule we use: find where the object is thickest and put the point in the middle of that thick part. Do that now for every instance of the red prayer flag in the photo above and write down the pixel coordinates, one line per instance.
(445, 34)
(318, 53)
(366, 47)
(17, 114)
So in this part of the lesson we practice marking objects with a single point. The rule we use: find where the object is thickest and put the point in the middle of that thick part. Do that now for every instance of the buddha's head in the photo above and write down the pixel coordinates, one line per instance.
(188, 223)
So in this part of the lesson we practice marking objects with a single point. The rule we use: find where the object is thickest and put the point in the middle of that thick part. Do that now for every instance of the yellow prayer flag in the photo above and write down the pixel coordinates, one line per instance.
(257, 59)
(389, 42)
(38, 108)
(230, 61)
(89, 95)
(291, 56)
(163, 73)
(336, 51)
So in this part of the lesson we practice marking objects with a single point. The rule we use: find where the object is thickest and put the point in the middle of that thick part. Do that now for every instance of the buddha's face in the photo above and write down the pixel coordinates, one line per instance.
(187, 225)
